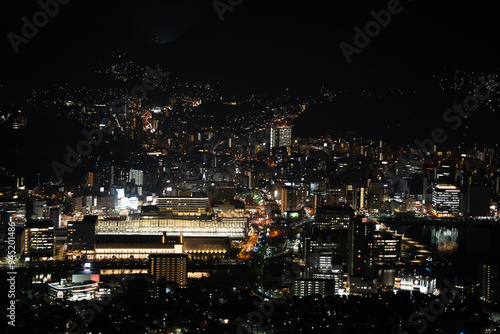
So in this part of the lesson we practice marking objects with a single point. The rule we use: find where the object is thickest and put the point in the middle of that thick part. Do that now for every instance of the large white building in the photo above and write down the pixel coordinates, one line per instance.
(189, 216)
(229, 227)
(445, 200)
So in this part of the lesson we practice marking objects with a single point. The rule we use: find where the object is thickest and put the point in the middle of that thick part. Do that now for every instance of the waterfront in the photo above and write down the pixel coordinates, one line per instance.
(464, 245)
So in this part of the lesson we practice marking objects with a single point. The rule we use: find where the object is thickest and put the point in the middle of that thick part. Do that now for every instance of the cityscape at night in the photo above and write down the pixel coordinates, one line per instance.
(255, 167)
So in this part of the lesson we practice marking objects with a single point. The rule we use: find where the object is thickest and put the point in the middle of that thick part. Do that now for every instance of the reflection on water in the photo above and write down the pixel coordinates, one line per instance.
(444, 240)
(464, 245)
(386, 276)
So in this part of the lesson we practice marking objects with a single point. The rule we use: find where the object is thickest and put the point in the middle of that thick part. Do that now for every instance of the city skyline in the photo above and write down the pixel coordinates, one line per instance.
(250, 167)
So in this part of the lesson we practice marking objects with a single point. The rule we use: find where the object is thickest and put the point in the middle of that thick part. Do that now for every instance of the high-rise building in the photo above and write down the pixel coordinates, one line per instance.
(489, 286)
(91, 179)
(360, 248)
(279, 136)
(83, 204)
(136, 176)
(327, 241)
(38, 240)
(386, 247)
(81, 239)
(171, 267)
(445, 200)
(288, 199)
(334, 273)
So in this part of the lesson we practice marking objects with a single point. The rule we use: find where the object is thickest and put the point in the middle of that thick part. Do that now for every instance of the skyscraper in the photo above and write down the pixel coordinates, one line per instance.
(445, 200)
(288, 199)
(488, 284)
(81, 238)
(279, 136)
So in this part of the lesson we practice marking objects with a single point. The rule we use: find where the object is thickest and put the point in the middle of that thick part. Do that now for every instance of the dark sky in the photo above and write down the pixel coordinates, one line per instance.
(264, 46)
(260, 44)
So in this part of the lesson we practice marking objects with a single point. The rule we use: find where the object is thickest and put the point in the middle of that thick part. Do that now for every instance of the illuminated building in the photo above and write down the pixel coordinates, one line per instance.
(386, 247)
(38, 240)
(288, 199)
(333, 217)
(136, 246)
(414, 283)
(83, 204)
(234, 218)
(76, 291)
(106, 203)
(203, 226)
(91, 179)
(42, 210)
(279, 136)
(327, 241)
(136, 177)
(81, 239)
(195, 205)
(325, 270)
(302, 287)
(14, 207)
(360, 263)
(361, 286)
(171, 267)
(206, 248)
(488, 285)
(325, 251)
(445, 200)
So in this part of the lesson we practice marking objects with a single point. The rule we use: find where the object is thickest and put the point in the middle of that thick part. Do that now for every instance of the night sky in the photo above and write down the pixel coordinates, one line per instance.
(260, 44)
(276, 47)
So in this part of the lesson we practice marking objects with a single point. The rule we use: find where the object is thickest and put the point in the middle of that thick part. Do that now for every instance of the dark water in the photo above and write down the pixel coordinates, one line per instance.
(464, 245)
